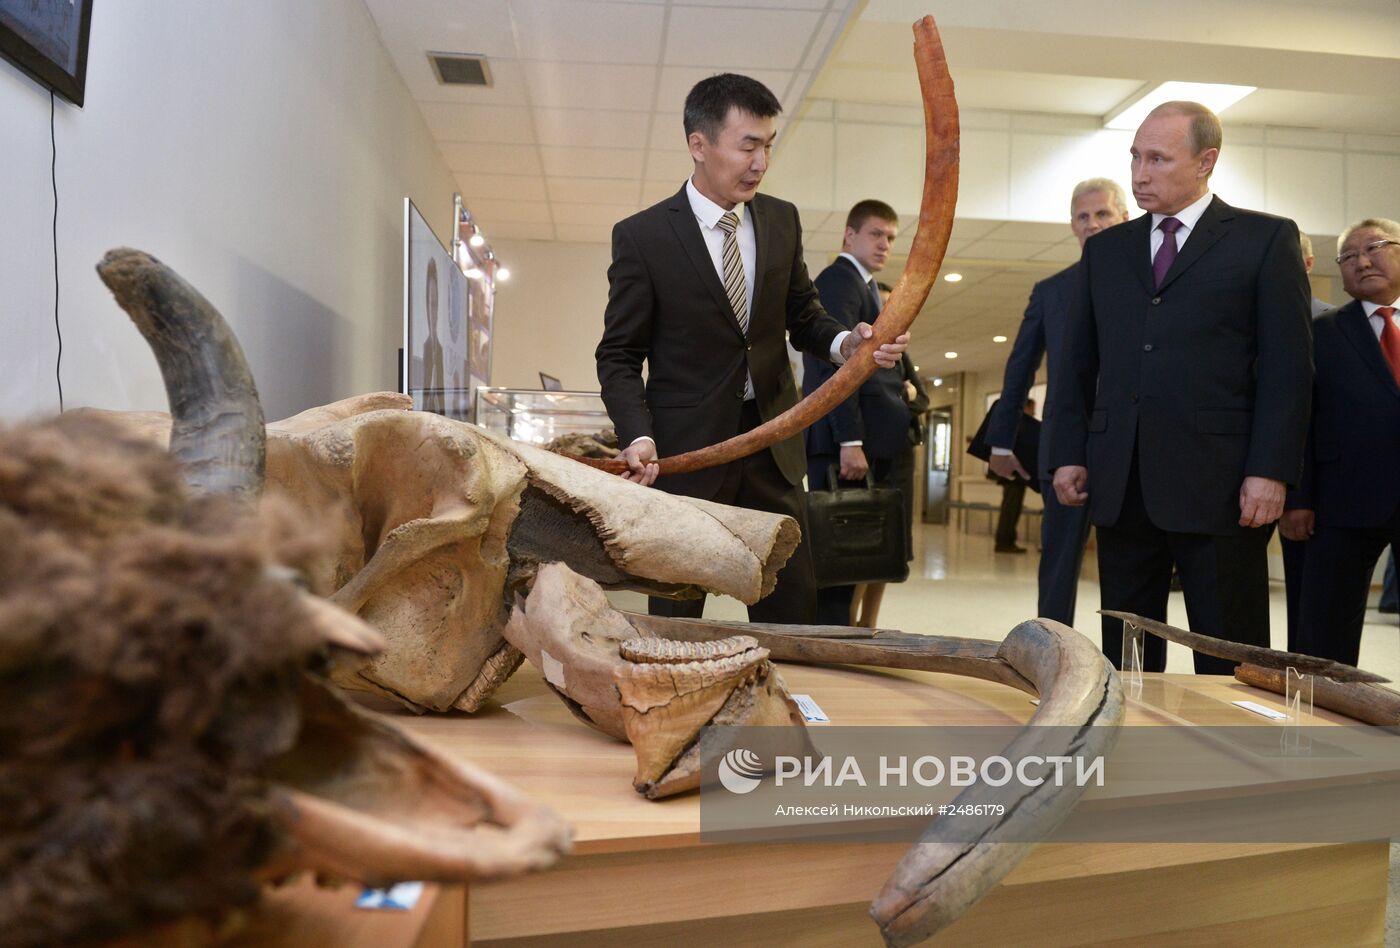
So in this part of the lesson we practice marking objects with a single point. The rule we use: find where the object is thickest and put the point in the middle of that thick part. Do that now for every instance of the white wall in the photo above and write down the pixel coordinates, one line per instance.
(263, 149)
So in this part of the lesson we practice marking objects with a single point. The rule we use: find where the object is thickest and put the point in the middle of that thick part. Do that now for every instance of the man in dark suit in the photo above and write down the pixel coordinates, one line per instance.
(1094, 205)
(1347, 507)
(1183, 407)
(701, 288)
(867, 431)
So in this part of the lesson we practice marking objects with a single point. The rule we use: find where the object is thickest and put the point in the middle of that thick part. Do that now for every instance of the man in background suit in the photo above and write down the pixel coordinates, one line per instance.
(701, 289)
(1094, 205)
(1347, 507)
(1295, 552)
(867, 431)
(1183, 407)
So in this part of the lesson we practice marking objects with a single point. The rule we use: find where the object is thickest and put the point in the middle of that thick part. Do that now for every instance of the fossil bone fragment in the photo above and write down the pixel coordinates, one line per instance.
(656, 694)
(1251, 654)
(1365, 701)
(944, 873)
(941, 144)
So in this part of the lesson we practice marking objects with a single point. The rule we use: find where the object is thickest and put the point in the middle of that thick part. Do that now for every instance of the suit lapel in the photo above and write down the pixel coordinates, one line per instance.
(762, 227)
(687, 230)
(1213, 224)
(1136, 243)
(1354, 325)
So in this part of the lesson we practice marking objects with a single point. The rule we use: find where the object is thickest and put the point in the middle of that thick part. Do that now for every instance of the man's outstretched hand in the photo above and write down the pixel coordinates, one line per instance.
(886, 357)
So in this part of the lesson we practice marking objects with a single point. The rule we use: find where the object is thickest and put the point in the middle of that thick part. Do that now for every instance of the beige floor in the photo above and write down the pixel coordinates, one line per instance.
(958, 586)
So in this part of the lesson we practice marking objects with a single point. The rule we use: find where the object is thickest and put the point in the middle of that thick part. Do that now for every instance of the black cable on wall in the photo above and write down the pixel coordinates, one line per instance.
(53, 176)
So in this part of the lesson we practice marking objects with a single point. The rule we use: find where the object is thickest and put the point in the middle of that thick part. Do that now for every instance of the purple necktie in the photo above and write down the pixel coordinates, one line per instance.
(1167, 252)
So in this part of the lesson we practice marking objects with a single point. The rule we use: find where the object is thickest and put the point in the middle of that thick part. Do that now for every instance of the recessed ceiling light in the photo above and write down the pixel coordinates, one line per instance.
(1216, 96)
(952, 277)
(950, 355)
(916, 368)
(503, 274)
(937, 383)
(998, 339)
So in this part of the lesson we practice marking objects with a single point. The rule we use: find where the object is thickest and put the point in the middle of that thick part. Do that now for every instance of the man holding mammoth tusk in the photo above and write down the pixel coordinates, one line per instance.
(704, 287)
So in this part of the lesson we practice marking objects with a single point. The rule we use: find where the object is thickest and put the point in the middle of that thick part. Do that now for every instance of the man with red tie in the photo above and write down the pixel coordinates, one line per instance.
(1182, 409)
(1348, 504)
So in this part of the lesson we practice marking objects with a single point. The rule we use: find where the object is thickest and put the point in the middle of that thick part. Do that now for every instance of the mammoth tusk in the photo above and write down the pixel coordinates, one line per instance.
(1366, 702)
(1251, 654)
(217, 433)
(945, 873)
(940, 198)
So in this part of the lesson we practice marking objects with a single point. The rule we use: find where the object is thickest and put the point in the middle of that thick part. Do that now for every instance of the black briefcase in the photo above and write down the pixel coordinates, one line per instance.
(857, 534)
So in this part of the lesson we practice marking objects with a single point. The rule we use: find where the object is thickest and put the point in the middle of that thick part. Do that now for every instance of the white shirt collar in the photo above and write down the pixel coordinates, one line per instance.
(1370, 308)
(707, 211)
(865, 275)
(1188, 215)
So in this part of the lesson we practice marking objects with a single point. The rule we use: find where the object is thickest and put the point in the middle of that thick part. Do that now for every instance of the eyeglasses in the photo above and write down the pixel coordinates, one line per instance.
(1370, 250)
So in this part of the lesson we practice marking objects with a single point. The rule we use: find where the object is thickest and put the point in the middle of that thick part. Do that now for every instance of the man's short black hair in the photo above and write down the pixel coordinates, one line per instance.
(864, 210)
(709, 102)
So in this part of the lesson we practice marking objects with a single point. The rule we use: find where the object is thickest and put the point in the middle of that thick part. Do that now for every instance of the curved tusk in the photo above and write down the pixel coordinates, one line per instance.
(941, 133)
(1364, 701)
(217, 431)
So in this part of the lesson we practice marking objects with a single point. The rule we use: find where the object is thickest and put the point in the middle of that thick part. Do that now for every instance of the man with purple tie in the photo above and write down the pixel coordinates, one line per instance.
(1183, 407)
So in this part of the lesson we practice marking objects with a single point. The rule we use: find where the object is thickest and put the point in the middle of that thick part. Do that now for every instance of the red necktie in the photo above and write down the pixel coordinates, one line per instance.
(1390, 340)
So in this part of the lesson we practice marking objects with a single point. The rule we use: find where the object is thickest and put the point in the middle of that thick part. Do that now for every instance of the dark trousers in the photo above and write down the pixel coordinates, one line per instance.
(1336, 582)
(834, 602)
(1225, 580)
(757, 483)
(1013, 495)
(1063, 532)
(1295, 557)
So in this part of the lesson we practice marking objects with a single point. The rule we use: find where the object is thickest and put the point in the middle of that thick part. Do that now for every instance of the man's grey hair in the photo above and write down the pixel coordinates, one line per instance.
(1305, 242)
(1107, 186)
(1383, 224)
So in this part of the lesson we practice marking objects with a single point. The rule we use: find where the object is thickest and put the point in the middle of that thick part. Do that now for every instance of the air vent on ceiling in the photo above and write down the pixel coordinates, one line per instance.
(460, 69)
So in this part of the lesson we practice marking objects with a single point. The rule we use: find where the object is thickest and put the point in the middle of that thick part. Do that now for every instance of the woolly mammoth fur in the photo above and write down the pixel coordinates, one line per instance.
(148, 667)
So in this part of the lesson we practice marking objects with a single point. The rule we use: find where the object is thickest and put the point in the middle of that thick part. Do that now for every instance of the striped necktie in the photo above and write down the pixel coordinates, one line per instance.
(734, 284)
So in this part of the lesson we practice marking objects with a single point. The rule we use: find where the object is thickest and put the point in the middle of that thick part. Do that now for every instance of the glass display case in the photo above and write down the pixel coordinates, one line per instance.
(537, 417)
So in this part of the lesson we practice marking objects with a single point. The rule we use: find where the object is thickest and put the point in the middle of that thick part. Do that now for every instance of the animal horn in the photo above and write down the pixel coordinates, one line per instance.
(217, 420)
(941, 135)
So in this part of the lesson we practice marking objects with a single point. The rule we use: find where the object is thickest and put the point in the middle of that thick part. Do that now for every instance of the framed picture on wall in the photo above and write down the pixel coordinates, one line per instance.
(436, 348)
(48, 39)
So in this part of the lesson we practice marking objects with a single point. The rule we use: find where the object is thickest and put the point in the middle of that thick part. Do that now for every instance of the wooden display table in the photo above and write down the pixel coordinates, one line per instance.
(639, 874)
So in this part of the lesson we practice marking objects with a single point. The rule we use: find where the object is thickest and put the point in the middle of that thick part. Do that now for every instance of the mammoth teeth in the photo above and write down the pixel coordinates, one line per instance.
(668, 652)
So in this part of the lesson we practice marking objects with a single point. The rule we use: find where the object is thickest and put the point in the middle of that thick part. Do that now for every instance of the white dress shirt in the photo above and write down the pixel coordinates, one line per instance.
(707, 215)
(1377, 320)
(1189, 216)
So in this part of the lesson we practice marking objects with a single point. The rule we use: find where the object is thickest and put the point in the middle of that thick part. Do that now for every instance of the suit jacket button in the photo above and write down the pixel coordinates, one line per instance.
(1147, 348)
(748, 347)
(1156, 301)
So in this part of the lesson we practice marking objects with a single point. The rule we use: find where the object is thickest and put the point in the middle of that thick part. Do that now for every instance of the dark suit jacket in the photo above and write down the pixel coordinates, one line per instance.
(1353, 452)
(667, 308)
(1210, 376)
(876, 414)
(1041, 334)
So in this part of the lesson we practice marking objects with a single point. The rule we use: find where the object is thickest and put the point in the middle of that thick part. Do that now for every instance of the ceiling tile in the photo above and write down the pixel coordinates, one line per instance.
(469, 122)
(465, 157)
(586, 233)
(739, 38)
(513, 231)
(668, 132)
(594, 215)
(758, 4)
(490, 212)
(455, 26)
(668, 166)
(654, 192)
(587, 32)
(593, 162)
(594, 190)
(1035, 231)
(592, 128)
(501, 187)
(584, 85)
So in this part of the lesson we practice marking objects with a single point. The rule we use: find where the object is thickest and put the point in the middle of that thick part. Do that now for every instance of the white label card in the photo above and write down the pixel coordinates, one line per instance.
(1269, 713)
(811, 711)
(401, 897)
